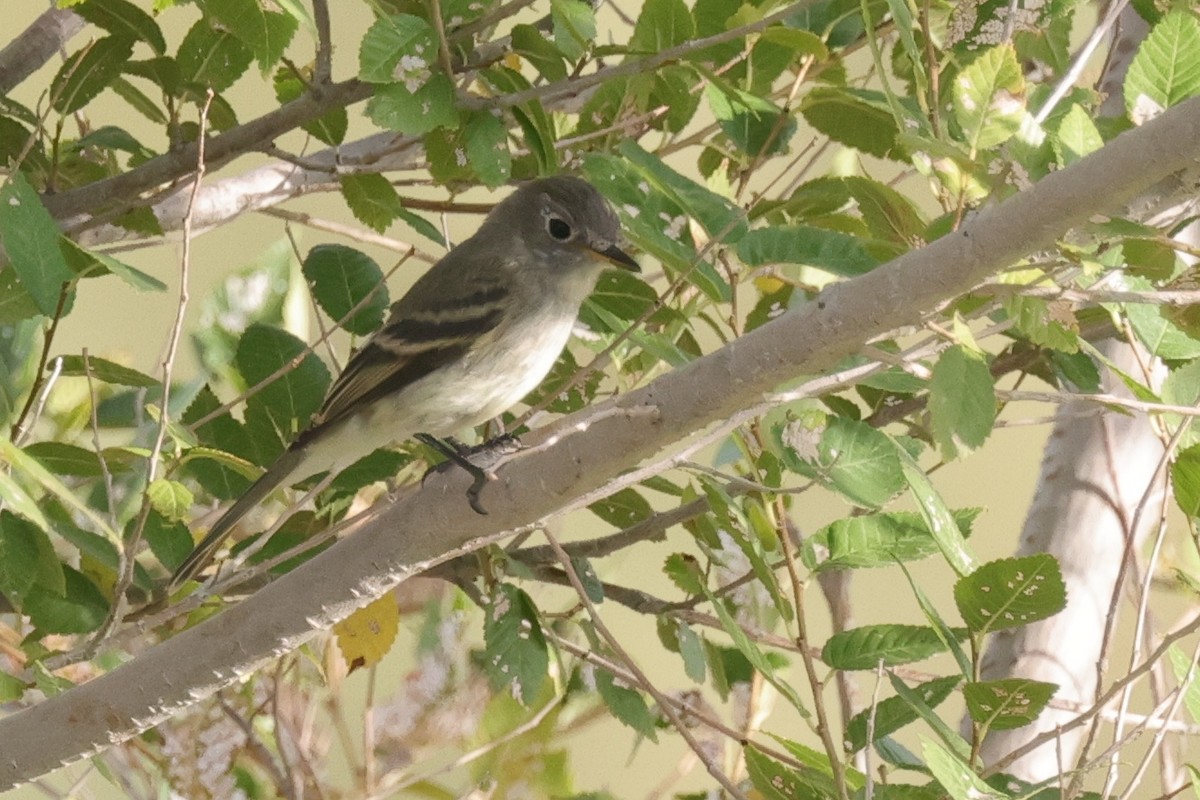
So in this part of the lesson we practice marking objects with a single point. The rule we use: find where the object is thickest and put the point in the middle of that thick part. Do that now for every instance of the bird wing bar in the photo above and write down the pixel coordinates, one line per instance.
(407, 349)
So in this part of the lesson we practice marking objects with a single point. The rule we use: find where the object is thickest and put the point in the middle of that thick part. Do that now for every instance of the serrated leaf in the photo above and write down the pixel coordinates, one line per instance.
(574, 26)
(170, 541)
(1007, 704)
(627, 705)
(962, 401)
(937, 516)
(1161, 337)
(1166, 69)
(392, 38)
(170, 498)
(367, 635)
(755, 125)
(30, 238)
(20, 501)
(27, 558)
(515, 653)
(989, 98)
(414, 111)
(266, 32)
(865, 647)
(487, 148)
(832, 251)
(532, 45)
(856, 118)
(957, 778)
(1076, 136)
(289, 401)
(79, 608)
(622, 509)
(1011, 592)
(661, 25)
(1182, 666)
(854, 459)
(1185, 479)
(90, 262)
(875, 540)
(62, 458)
(102, 369)
(122, 18)
(88, 71)
(12, 689)
(343, 279)
(774, 780)
(372, 199)
(717, 215)
(893, 713)
(212, 58)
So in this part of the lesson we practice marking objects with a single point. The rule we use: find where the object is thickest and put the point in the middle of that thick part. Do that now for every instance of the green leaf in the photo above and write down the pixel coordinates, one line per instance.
(1008, 703)
(285, 406)
(574, 26)
(515, 656)
(875, 540)
(955, 775)
(661, 25)
(267, 33)
(856, 118)
(755, 125)
(1185, 478)
(27, 467)
(962, 401)
(1010, 592)
(85, 74)
(627, 705)
(1166, 69)
(487, 148)
(401, 47)
(915, 701)
(622, 509)
(80, 608)
(946, 634)
(343, 279)
(532, 45)
(61, 458)
(989, 98)
(894, 713)
(852, 458)
(865, 647)
(1161, 337)
(170, 541)
(1076, 136)
(102, 369)
(122, 18)
(170, 498)
(1044, 324)
(414, 111)
(212, 58)
(775, 781)
(372, 199)
(89, 263)
(1182, 665)
(937, 516)
(832, 251)
(30, 238)
(718, 216)
(27, 558)
(536, 124)
(11, 689)
(330, 127)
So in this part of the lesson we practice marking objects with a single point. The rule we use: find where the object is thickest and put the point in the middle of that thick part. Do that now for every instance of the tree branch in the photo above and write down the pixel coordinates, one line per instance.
(583, 453)
(36, 45)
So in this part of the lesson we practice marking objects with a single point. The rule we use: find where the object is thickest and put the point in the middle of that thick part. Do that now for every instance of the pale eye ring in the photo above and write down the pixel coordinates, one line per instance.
(558, 228)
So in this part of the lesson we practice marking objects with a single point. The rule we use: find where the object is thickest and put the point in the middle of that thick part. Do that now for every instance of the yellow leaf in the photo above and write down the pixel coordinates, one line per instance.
(365, 636)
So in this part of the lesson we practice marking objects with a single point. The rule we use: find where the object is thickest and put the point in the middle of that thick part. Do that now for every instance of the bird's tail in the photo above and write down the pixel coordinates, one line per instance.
(275, 475)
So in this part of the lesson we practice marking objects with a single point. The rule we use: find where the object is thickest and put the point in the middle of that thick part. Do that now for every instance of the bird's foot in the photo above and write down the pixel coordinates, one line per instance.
(477, 461)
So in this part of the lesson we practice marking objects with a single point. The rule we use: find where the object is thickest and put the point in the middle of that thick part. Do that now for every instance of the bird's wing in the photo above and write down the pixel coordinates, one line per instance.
(415, 342)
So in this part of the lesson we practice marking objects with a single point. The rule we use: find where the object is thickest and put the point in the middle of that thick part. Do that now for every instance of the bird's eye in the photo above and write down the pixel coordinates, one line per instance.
(558, 228)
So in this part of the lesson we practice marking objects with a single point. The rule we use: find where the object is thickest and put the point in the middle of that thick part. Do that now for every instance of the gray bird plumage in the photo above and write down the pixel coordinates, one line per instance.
(471, 338)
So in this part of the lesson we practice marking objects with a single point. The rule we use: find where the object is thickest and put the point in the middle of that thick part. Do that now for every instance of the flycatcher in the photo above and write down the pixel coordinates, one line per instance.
(470, 339)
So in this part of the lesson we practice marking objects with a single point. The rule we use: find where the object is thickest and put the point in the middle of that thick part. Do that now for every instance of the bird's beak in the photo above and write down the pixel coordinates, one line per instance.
(618, 258)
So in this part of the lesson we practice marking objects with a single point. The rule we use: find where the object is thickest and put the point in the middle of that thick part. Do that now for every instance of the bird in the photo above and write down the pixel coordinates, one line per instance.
(474, 335)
